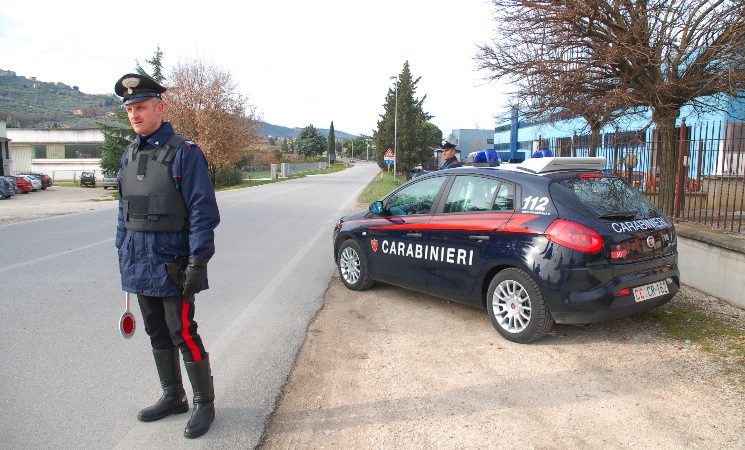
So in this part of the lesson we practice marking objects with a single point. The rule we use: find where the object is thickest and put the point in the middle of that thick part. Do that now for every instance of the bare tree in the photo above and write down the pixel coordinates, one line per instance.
(553, 81)
(663, 54)
(204, 104)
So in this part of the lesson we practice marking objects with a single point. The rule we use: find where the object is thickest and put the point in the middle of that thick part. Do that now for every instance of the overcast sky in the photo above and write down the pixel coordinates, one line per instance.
(298, 62)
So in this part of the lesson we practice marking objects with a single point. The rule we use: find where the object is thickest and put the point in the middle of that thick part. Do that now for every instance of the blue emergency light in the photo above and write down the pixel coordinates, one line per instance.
(483, 158)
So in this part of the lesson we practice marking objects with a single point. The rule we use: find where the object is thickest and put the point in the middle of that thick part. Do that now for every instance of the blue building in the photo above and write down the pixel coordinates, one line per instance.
(713, 140)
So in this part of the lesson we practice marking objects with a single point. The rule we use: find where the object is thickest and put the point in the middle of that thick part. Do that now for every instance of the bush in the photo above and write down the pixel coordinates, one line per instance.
(229, 176)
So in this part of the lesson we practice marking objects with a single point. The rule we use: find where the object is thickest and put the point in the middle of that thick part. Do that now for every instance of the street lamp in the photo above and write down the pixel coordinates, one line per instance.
(395, 127)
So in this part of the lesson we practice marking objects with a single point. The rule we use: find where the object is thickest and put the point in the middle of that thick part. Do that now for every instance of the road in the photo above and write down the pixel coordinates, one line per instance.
(69, 380)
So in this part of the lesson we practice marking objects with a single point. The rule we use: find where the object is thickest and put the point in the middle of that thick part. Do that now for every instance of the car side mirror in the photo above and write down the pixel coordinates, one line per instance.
(376, 207)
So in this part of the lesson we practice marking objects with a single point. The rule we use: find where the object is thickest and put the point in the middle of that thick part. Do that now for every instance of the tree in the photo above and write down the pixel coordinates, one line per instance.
(662, 54)
(331, 141)
(116, 138)
(205, 105)
(409, 122)
(432, 135)
(156, 66)
(310, 142)
(285, 147)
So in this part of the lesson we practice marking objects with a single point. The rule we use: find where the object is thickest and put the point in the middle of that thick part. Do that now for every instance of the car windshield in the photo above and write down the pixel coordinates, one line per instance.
(607, 197)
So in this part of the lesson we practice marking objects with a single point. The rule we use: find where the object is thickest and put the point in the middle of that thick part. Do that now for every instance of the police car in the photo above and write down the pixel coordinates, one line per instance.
(547, 240)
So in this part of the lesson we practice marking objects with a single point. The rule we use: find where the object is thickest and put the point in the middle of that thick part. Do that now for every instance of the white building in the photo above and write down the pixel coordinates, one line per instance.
(4, 151)
(59, 152)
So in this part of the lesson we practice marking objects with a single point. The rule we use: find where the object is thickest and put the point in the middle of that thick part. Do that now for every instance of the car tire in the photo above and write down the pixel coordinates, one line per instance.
(352, 265)
(517, 308)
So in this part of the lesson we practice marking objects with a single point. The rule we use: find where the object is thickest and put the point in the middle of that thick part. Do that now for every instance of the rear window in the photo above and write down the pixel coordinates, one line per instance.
(606, 197)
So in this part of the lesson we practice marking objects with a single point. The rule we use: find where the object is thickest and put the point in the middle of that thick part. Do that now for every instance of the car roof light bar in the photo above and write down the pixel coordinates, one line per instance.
(559, 163)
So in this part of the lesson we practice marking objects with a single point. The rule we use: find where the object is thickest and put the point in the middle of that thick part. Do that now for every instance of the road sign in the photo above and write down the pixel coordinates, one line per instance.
(389, 157)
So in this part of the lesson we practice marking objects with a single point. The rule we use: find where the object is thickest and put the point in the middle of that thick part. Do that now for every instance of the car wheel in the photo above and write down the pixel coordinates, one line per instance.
(353, 266)
(517, 308)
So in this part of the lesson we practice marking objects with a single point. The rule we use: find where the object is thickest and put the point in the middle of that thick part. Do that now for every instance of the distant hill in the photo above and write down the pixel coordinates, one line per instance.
(29, 103)
(279, 132)
(26, 102)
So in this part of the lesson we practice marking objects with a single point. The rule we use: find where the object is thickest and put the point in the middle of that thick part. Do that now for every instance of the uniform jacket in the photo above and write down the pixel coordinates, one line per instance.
(144, 254)
(450, 163)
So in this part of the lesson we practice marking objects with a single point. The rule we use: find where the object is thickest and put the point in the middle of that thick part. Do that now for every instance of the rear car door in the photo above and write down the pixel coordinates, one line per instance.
(473, 211)
(396, 246)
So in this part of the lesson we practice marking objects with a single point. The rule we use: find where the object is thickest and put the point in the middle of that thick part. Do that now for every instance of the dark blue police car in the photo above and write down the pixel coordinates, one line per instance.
(547, 240)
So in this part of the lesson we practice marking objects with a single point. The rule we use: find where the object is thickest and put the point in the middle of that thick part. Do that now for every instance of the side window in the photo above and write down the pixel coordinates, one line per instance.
(417, 198)
(471, 194)
(505, 199)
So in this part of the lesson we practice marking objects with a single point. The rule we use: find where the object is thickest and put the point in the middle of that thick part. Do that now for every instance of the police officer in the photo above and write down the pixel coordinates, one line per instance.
(448, 152)
(165, 237)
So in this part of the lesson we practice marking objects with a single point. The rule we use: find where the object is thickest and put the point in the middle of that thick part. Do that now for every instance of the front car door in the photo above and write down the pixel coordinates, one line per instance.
(395, 242)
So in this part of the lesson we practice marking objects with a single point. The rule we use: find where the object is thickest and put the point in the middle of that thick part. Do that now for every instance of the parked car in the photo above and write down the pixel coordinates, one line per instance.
(417, 171)
(35, 182)
(87, 179)
(12, 182)
(23, 185)
(547, 240)
(46, 180)
(7, 190)
(110, 181)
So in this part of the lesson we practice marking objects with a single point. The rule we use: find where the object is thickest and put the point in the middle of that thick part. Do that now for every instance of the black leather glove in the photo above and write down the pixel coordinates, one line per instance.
(195, 276)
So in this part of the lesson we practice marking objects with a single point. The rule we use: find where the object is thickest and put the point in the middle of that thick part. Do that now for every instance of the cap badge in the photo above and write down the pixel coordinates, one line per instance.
(130, 83)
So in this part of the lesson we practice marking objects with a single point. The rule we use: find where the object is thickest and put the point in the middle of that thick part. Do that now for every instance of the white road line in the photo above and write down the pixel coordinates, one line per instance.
(55, 255)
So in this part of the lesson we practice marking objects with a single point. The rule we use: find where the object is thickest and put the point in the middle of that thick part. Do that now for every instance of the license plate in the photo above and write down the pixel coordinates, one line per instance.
(649, 291)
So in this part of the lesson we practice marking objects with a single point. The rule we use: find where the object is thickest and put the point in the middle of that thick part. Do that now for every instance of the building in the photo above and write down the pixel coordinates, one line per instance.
(469, 140)
(60, 153)
(4, 151)
(517, 138)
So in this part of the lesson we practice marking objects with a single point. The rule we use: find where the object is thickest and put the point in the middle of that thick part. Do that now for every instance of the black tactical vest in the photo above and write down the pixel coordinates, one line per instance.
(150, 199)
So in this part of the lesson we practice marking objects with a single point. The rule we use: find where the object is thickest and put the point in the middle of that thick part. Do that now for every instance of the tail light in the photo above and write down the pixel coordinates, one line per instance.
(575, 236)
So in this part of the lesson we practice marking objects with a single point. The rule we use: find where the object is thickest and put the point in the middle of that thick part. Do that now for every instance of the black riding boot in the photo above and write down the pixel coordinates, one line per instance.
(173, 400)
(204, 397)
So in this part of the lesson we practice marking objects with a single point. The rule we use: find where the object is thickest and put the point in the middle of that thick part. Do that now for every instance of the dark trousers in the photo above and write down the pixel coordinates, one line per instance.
(169, 321)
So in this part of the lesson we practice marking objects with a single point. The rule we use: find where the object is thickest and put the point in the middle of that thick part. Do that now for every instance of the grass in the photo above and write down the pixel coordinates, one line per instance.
(713, 335)
(256, 175)
(254, 182)
(379, 187)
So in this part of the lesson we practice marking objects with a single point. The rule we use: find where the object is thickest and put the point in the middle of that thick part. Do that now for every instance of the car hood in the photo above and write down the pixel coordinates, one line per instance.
(357, 215)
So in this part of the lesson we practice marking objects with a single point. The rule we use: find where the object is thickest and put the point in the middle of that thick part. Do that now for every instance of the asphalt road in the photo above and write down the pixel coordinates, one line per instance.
(69, 380)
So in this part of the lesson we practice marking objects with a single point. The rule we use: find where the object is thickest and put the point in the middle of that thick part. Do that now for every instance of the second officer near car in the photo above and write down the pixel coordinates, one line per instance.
(165, 237)
(448, 153)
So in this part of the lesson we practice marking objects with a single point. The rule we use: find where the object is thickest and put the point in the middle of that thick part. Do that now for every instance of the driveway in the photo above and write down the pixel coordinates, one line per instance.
(391, 368)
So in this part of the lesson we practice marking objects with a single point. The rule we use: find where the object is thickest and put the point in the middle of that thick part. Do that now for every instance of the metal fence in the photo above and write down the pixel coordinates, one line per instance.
(711, 190)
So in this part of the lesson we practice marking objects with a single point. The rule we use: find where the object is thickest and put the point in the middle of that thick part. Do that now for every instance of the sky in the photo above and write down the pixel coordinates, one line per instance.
(298, 62)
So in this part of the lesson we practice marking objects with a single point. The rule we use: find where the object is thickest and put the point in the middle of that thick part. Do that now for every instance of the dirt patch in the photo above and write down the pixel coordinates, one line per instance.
(55, 201)
(391, 368)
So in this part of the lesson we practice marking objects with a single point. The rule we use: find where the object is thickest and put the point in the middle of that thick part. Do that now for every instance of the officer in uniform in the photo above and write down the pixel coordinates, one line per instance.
(448, 152)
(165, 237)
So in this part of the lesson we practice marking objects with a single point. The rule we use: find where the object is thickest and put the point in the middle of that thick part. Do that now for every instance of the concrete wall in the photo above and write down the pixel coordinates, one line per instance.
(712, 262)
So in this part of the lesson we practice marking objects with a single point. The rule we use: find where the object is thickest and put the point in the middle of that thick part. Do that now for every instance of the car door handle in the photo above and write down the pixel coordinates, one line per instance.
(414, 235)
(477, 237)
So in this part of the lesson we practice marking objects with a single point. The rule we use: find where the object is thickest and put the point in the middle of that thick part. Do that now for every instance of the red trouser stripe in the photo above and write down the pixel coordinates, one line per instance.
(186, 334)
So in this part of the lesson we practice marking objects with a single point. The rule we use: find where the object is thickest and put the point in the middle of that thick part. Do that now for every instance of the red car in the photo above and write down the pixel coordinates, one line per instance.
(23, 184)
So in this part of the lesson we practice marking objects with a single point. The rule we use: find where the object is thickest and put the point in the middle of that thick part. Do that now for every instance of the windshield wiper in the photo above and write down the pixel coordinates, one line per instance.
(620, 215)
